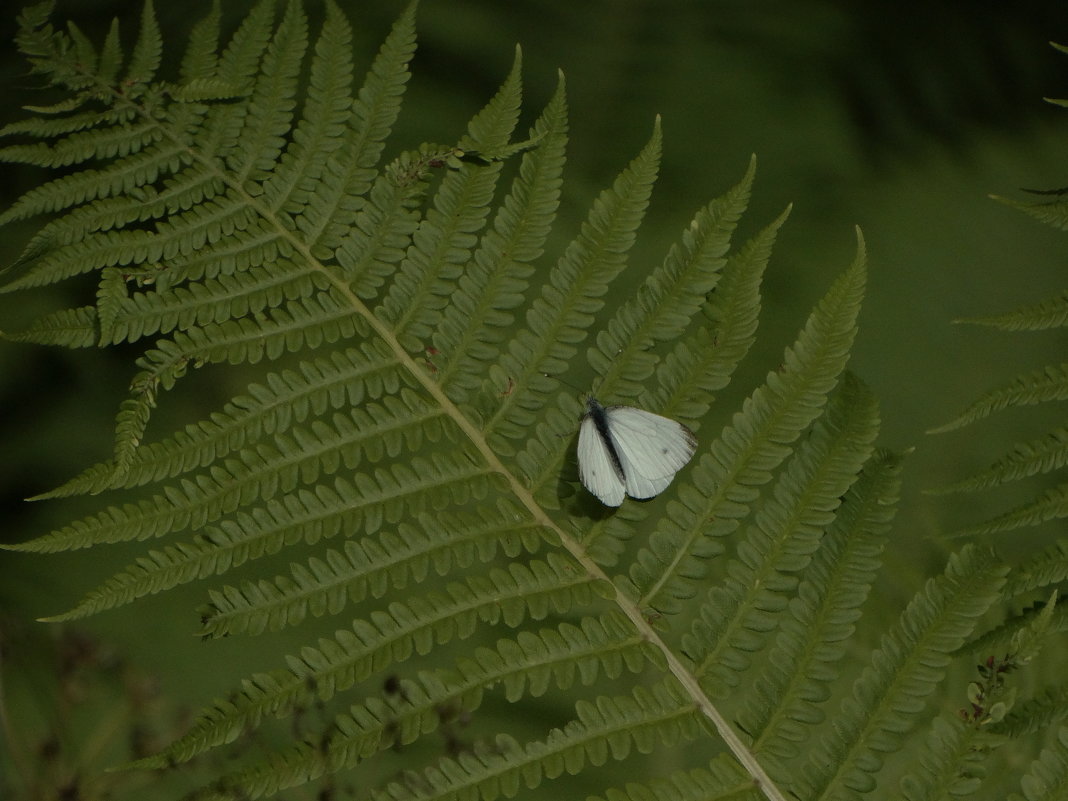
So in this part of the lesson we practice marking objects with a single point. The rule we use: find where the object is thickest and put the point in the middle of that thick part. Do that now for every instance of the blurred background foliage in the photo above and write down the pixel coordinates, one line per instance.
(899, 117)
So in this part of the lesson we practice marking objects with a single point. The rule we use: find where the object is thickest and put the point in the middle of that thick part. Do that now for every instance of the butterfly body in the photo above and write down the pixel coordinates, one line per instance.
(625, 451)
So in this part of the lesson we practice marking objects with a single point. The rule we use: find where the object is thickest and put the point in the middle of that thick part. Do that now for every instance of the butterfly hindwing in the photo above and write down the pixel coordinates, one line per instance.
(649, 445)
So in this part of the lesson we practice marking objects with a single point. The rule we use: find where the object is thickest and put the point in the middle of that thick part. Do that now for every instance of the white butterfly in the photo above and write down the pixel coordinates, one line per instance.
(626, 451)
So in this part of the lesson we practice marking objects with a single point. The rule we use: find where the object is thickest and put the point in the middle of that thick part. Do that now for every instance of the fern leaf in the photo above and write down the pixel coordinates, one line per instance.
(788, 695)
(952, 763)
(904, 672)
(609, 728)
(259, 141)
(560, 315)
(325, 586)
(739, 615)
(334, 206)
(670, 296)
(348, 378)
(71, 328)
(56, 127)
(200, 60)
(319, 134)
(381, 495)
(1044, 569)
(443, 242)
(1004, 638)
(385, 227)
(524, 590)
(758, 439)
(386, 637)
(724, 780)
(1051, 212)
(242, 215)
(1040, 386)
(1047, 780)
(370, 565)
(145, 58)
(1050, 505)
(212, 301)
(122, 176)
(1038, 714)
(111, 52)
(1042, 455)
(1041, 316)
(78, 148)
(701, 364)
(472, 327)
(602, 647)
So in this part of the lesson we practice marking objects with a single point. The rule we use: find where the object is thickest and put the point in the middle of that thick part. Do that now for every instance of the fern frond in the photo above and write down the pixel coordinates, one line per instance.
(739, 615)
(381, 495)
(345, 379)
(702, 363)
(904, 672)
(610, 727)
(1042, 455)
(325, 587)
(1042, 570)
(1038, 714)
(494, 282)
(148, 49)
(370, 566)
(560, 315)
(412, 415)
(757, 440)
(521, 591)
(1049, 505)
(1052, 212)
(200, 60)
(1047, 780)
(724, 780)
(1004, 638)
(1046, 454)
(625, 354)
(71, 328)
(1041, 316)
(952, 762)
(670, 297)
(445, 238)
(600, 647)
(788, 696)
(1039, 386)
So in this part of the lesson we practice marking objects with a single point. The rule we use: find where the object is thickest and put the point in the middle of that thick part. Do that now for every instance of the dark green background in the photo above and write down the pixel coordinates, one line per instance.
(896, 117)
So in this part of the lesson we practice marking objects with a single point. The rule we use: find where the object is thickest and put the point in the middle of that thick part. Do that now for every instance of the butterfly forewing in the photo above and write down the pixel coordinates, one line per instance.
(598, 471)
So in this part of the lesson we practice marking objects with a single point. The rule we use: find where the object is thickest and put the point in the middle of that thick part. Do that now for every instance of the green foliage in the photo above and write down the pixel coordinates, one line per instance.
(1043, 455)
(401, 456)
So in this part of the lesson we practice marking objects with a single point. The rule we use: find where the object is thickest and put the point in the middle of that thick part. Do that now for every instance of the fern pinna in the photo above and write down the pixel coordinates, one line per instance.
(407, 446)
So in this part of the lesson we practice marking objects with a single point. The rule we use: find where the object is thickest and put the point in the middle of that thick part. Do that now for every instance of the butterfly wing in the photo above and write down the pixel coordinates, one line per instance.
(651, 448)
(597, 470)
